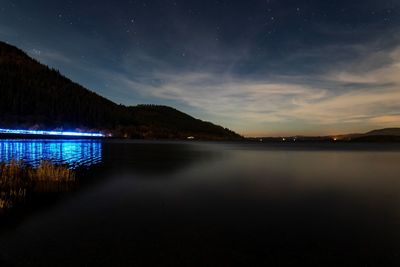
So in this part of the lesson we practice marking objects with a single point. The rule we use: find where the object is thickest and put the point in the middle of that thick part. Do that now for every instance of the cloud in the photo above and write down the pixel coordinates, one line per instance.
(387, 119)
(367, 71)
(366, 93)
(52, 57)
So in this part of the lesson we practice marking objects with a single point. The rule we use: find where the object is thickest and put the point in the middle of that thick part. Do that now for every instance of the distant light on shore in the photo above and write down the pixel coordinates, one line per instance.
(54, 133)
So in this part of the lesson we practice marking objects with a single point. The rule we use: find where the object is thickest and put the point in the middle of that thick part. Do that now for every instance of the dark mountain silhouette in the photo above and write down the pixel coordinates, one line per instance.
(36, 96)
(386, 131)
(379, 135)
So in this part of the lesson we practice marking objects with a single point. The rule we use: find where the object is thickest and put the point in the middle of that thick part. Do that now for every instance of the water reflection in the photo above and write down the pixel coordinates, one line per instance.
(222, 205)
(74, 153)
(156, 159)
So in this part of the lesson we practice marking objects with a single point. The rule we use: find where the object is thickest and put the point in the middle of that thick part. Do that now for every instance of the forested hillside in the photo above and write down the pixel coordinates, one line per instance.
(35, 96)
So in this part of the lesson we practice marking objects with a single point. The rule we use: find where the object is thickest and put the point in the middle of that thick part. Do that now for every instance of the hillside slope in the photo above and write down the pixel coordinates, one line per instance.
(386, 131)
(33, 95)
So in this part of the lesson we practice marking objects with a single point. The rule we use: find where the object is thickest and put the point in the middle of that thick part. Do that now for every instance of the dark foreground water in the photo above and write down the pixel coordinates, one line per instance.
(210, 204)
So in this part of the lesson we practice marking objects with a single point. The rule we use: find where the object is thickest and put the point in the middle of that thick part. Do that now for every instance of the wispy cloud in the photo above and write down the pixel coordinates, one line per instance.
(366, 93)
(52, 57)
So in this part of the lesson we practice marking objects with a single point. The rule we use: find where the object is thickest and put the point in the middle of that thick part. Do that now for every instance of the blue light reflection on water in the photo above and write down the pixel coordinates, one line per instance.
(73, 153)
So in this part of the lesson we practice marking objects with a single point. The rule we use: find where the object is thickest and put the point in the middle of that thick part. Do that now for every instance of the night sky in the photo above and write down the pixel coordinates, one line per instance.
(266, 67)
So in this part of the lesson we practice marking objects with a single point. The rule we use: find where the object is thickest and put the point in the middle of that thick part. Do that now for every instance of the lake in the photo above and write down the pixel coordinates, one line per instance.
(144, 203)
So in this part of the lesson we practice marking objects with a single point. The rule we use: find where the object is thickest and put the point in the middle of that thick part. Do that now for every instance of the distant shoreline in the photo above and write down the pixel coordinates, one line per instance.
(274, 140)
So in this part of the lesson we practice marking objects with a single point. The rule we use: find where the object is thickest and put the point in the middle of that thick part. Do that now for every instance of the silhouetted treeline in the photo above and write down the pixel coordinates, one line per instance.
(33, 95)
(165, 122)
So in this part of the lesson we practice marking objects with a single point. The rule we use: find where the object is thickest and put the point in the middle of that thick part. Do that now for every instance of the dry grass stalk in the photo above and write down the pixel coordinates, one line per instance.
(16, 177)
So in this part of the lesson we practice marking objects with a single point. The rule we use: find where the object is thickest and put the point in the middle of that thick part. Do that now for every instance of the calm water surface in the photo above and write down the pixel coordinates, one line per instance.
(210, 204)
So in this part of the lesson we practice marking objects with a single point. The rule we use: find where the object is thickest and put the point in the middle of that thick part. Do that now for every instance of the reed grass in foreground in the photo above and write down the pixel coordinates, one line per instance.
(16, 178)
(48, 172)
